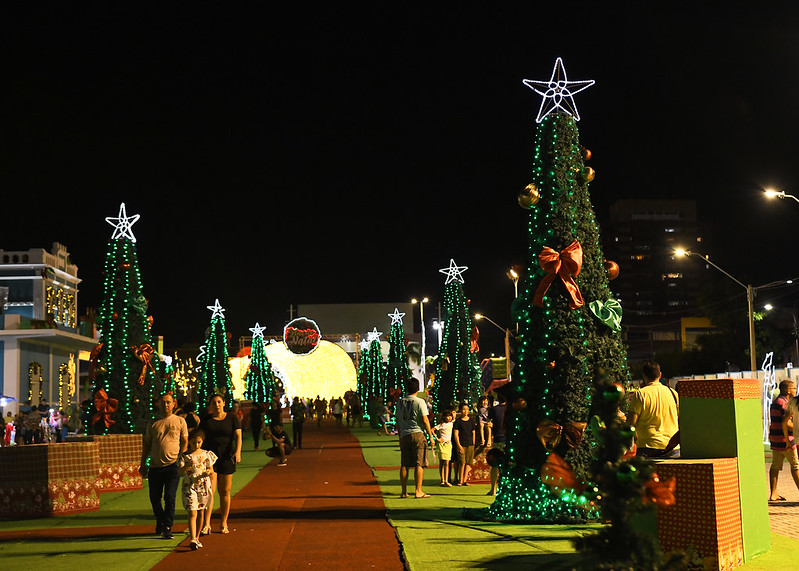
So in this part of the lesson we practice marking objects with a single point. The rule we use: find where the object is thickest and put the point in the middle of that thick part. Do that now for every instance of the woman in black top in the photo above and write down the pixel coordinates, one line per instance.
(223, 438)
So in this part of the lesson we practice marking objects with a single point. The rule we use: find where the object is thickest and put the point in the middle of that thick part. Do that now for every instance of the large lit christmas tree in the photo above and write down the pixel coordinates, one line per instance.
(127, 374)
(397, 367)
(569, 323)
(457, 369)
(215, 375)
(372, 385)
(260, 380)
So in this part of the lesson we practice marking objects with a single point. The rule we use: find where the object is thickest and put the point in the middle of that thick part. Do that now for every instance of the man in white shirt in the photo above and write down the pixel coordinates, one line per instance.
(412, 423)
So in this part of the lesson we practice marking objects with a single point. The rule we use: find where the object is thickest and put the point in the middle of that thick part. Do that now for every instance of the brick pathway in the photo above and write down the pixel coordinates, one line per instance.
(784, 516)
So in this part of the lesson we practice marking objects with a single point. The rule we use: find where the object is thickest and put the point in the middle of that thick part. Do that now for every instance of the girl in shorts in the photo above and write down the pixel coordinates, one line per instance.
(196, 465)
(443, 435)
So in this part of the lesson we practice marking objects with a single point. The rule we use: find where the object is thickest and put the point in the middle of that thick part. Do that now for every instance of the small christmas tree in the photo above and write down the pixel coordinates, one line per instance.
(569, 324)
(457, 369)
(259, 379)
(215, 375)
(127, 374)
(373, 387)
(397, 367)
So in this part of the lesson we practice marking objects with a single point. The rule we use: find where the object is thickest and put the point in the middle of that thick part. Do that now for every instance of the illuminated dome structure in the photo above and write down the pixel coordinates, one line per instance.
(327, 371)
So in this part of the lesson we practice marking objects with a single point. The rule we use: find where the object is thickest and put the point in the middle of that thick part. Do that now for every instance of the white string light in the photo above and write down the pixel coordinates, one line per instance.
(396, 317)
(216, 310)
(557, 92)
(257, 331)
(123, 224)
(453, 272)
(373, 335)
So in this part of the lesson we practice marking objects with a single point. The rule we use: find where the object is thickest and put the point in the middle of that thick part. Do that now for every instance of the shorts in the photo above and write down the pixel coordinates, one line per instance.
(467, 457)
(778, 456)
(413, 450)
(444, 450)
(225, 466)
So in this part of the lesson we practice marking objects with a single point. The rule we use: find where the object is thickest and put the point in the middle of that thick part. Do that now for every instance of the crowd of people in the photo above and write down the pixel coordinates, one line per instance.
(38, 423)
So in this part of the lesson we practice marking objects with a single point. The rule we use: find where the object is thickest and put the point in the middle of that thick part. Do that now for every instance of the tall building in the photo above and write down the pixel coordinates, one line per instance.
(655, 289)
(40, 341)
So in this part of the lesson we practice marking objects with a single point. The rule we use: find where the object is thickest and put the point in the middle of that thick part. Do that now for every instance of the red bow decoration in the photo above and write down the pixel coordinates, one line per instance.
(660, 493)
(550, 434)
(144, 353)
(558, 475)
(95, 354)
(567, 265)
(105, 407)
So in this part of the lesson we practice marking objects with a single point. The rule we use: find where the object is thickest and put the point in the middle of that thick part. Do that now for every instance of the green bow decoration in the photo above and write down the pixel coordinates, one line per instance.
(608, 313)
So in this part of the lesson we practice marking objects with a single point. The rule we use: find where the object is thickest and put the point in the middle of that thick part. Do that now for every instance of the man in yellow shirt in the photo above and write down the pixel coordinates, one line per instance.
(654, 411)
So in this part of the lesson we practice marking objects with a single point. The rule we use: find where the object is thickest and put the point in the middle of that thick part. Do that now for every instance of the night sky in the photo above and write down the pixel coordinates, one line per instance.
(283, 156)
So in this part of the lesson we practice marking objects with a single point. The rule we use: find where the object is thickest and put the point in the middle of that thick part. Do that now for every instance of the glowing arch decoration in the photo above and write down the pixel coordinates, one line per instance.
(327, 371)
(302, 336)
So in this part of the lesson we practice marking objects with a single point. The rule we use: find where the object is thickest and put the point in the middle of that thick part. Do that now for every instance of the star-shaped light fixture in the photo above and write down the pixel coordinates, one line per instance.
(257, 331)
(373, 335)
(216, 310)
(558, 92)
(453, 272)
(364, 345)
(396, 317)
(122, 224)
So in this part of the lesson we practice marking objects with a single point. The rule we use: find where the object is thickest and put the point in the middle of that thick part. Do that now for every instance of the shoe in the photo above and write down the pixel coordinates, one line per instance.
(159, 528)
(206, 530)
(199, 544)
(194, 545)
(167, 534)
(224, 529)
(283, 463)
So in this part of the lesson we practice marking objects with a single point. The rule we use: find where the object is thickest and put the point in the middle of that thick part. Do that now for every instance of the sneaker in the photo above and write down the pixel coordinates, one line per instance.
(283, 463)
(167, 533)
(159, 528)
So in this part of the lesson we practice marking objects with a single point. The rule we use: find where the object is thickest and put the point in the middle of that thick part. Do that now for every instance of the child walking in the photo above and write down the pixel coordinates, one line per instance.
(196, 465)
(443, 435)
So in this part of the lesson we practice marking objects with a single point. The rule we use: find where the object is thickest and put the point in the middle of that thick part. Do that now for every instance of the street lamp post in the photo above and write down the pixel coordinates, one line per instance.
(514, 277)
(781, 194)
(749, 301)
(505, 330)
(421, 315)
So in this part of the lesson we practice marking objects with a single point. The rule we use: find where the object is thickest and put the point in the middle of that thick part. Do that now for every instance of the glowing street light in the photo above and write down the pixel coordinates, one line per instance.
(505, 330)
(514, 277)
(749, 300)
(781, 194)
(421, 315)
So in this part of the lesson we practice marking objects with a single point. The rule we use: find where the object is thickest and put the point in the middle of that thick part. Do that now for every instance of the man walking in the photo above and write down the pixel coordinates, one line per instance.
(412, 423)
(654, 412)
(781, 440)
(165, 439)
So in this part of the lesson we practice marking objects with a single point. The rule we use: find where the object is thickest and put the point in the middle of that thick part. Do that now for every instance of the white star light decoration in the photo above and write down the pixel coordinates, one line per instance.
(216, 310)
(396, 317)
(373, 335)
(557, 92)
(257, 331)
(122, 224)
(453, 272)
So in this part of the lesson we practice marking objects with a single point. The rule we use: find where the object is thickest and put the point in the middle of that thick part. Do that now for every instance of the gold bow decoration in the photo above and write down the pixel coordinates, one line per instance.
(105, 407)
(550, 433)
(566, 265)
(559, 476)
(144, 353)
(95, 354)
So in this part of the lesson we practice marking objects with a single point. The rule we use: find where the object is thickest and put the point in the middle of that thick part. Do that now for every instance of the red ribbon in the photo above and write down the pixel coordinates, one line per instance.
(105, 407)
(565, 264)
(144, 353)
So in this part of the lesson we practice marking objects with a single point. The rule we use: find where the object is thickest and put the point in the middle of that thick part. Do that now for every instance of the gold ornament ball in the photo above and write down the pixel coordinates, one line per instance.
(612, 268)
(589, 174)
(586, 154)
(529, 196)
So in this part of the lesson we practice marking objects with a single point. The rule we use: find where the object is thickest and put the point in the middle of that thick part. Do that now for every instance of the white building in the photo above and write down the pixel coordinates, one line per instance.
(40, 340)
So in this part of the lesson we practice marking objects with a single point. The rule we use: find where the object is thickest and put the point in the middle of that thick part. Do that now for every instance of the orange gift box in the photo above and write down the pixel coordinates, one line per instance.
(719, 388)
(707, 512)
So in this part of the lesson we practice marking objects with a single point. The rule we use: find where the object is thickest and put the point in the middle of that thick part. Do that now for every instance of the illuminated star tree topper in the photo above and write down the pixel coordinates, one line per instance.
(396, 317)
(454, 272)
(123, 224)
(216, 310)
(557, 92)
(257, 331)
(373, 335)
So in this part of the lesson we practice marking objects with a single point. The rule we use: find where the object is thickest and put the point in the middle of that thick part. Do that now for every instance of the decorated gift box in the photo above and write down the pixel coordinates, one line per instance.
(41, 480)
(722, 418)
(120, 455)
(706, 515)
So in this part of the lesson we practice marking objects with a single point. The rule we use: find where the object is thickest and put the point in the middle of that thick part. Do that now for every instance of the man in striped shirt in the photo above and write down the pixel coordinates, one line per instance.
(781, 439)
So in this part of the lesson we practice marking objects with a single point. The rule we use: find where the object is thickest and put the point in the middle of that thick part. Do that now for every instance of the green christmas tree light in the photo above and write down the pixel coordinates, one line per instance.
(215, 375)
(127, 374)
(568, 326)
(259, 379)
(457, 369)
(397, 367)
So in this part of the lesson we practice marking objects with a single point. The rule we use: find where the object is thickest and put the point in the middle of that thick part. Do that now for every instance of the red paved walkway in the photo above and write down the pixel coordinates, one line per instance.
(323, 510)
